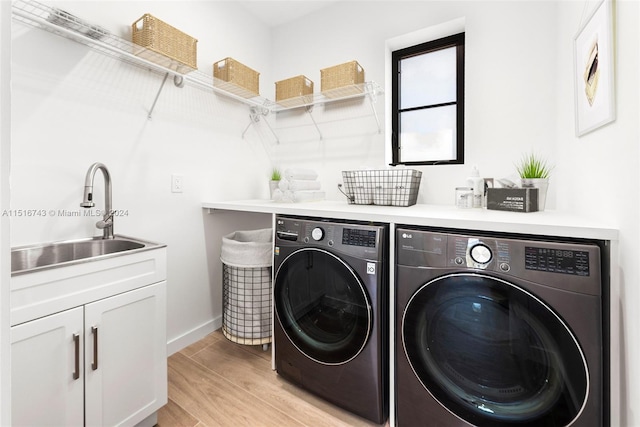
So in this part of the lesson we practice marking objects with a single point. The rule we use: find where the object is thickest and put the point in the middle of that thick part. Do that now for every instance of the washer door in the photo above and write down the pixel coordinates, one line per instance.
(494, 354)
(322, 306)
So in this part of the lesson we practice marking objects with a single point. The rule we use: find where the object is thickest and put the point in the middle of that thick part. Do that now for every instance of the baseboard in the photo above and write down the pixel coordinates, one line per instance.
(196, 334)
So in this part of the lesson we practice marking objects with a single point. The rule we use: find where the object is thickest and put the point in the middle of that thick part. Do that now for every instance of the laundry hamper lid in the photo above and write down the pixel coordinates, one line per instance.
(248, 248)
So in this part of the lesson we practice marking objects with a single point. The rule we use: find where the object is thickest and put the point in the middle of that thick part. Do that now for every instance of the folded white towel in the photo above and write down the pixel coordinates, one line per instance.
(307, 196)
(298, 185)
(282, 196)
(278, 195)
(300, 173)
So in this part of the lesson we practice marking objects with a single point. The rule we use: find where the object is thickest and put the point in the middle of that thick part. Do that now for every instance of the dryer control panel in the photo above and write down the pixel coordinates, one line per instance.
(572, 265)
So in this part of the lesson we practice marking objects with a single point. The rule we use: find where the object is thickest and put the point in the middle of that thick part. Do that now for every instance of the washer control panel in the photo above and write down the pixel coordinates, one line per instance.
(355, 239)
(359, 237)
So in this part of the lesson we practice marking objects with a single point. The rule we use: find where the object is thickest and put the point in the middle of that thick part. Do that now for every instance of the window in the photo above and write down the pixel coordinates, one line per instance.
(428, 103)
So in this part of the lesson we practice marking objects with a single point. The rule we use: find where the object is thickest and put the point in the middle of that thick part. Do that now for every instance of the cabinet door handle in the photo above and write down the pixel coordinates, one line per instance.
(76, 345)
(94, 331)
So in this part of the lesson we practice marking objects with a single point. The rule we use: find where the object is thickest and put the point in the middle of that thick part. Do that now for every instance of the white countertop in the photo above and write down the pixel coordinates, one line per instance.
(546, 223)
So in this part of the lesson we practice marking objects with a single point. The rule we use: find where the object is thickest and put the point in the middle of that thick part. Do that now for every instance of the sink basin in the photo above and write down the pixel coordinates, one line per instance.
(29, 258)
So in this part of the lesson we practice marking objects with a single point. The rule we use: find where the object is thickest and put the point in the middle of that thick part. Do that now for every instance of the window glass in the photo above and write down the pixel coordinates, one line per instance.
(427, 135)
(428, 79)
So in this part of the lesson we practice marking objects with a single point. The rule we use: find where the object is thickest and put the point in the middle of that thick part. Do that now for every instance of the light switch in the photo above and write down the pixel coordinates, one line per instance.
(176, 183)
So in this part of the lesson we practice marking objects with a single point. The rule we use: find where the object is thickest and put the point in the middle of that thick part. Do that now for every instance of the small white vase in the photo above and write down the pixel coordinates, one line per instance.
(541, 184)
(273, 185)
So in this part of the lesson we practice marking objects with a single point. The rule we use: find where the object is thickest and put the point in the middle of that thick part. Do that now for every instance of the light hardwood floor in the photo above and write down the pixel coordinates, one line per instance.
(215, 382)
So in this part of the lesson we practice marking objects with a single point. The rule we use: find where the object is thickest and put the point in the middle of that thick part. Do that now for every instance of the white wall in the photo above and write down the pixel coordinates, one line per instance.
(5, 165)
(611, 192)
(72, 107)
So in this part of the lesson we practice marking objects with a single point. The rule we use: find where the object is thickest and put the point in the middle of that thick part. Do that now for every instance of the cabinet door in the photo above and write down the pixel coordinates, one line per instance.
(46, 371)
(126, 357)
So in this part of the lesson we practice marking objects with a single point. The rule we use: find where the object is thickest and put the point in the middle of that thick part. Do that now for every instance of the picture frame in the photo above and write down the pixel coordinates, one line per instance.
(594, 71)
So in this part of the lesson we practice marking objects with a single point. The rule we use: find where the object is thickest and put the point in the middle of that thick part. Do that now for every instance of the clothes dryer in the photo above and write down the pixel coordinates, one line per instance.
(499, 330)
(331, 311)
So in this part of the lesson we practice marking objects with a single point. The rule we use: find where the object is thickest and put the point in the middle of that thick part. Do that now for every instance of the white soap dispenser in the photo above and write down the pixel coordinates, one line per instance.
(477, 184)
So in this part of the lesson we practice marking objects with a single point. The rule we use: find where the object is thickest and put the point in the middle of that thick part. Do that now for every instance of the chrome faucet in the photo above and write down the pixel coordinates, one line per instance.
(106, 225)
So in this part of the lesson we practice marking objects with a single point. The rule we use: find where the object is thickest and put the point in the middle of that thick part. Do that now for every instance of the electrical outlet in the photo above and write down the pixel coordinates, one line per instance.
(176, 183)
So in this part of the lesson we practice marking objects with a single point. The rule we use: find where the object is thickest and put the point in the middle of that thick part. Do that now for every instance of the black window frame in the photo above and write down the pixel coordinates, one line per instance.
(457, 41)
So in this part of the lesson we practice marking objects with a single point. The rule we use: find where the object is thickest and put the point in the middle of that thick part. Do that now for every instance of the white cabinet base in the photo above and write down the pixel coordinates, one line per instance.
(103, 363)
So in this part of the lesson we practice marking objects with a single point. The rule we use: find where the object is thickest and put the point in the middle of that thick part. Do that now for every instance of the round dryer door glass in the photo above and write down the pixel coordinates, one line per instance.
(494, 354)
(322, 306)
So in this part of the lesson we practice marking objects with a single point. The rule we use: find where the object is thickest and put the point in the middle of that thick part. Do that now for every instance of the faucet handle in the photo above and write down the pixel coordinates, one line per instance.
(104, 224)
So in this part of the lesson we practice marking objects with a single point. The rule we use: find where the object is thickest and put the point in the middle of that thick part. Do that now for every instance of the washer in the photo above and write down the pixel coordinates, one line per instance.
(499, 330)
(331, 310)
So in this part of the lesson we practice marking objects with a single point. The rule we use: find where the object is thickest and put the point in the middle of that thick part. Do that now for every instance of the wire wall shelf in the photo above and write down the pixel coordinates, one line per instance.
(37, 15)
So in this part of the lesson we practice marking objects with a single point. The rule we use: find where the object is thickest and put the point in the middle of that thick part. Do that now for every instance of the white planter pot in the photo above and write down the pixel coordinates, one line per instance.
(272, 186)
(541, 184)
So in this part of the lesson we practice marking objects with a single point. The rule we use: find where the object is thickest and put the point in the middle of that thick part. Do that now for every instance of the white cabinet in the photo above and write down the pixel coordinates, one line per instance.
(101, 364)
(46, 371)
(125, 357)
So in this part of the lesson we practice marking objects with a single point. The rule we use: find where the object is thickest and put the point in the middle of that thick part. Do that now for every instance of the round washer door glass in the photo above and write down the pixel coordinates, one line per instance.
(493, 354)
(322, 306)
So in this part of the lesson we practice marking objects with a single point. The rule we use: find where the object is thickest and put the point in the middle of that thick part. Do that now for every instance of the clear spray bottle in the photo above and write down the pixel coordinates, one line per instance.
(477, 184)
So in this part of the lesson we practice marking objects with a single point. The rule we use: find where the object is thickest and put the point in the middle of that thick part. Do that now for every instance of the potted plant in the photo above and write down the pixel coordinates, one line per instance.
(534, 172)
(276, 176)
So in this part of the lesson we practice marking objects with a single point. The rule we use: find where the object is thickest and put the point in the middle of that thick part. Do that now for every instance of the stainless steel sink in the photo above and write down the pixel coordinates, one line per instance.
(35, 257)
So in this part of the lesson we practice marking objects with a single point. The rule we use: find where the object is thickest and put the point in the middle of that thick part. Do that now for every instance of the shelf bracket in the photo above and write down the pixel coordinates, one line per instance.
(254, 117)
(373, 97)
(309, 109)
(153, 106)
(177, 80)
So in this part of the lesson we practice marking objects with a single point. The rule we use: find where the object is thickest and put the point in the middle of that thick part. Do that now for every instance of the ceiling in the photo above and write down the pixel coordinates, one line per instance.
(274, 13)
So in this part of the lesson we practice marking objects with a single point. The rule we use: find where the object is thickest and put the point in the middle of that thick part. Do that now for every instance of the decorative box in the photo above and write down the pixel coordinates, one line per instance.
(513, 199)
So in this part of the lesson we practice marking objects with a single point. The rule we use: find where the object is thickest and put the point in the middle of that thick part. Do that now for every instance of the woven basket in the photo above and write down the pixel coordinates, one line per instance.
(235, 77)
(178, 50)
(294, 91)
(342, 80)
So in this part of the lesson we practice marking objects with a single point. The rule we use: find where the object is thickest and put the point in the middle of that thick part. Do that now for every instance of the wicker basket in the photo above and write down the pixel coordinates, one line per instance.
(398, 187)
(342, 80)
(178, 51)
(294, 91)
(235, 77)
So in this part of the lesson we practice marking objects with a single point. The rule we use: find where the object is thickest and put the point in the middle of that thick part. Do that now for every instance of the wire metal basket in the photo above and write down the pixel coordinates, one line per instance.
(246, 311)
(397, 187)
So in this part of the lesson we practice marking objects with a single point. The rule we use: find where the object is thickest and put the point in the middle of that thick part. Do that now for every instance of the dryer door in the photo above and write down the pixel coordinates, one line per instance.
(322, 306)
(494, 354)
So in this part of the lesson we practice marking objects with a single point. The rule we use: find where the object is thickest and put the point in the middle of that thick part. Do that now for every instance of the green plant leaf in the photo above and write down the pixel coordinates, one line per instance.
(531, 166)
(276, 175)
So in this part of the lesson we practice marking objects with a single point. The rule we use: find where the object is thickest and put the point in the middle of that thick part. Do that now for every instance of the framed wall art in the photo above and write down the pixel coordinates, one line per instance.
(594, 70)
